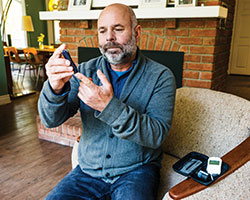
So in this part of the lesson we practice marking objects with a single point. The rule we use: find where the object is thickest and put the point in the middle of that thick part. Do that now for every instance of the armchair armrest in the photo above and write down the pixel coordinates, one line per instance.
(235, 159)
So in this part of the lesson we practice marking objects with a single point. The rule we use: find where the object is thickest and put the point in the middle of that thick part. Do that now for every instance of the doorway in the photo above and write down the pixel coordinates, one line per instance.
(240, 53)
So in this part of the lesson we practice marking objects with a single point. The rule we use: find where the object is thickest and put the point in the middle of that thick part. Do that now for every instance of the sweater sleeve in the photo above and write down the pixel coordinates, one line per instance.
(150, 128)
(56, 109)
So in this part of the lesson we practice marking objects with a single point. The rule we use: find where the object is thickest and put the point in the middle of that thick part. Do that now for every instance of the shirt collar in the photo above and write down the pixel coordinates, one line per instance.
(111, 70)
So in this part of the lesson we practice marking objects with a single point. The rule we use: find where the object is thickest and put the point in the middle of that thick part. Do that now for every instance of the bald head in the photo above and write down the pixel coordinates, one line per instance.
(120, 9)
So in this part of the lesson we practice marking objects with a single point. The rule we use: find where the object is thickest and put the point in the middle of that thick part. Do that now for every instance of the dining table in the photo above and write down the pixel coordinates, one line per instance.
(44, 53)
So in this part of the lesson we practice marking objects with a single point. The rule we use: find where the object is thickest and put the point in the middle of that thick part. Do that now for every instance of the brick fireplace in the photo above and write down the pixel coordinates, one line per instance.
(205, 42)
(206, 46)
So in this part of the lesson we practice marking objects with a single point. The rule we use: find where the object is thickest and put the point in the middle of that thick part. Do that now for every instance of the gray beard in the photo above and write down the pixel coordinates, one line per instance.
(127, 51)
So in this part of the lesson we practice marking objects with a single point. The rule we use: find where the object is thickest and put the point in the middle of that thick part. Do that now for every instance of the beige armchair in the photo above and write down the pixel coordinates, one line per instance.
(215, 124)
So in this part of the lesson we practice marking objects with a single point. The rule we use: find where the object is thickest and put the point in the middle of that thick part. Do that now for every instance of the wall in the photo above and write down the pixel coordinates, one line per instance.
(206, 46)
(3, 78)
(40, 26)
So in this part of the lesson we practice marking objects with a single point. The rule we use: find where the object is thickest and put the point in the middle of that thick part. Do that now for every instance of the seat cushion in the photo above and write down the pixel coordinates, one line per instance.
(169, 177)
(74, 155)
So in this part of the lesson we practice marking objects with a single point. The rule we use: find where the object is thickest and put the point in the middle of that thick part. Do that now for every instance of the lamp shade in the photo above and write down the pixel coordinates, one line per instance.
(27, 24)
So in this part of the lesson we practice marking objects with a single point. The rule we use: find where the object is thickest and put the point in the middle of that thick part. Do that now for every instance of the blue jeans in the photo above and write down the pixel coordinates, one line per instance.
(139, 184)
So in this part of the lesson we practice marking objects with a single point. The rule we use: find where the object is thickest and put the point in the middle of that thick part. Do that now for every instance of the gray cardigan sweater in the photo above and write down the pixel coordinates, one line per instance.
(130, 130)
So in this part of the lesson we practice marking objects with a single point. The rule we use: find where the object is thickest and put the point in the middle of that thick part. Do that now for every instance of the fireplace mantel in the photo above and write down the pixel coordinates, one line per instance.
(152, 13)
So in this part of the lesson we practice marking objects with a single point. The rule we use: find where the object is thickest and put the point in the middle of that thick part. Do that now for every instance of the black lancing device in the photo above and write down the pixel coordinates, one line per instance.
(67, 56)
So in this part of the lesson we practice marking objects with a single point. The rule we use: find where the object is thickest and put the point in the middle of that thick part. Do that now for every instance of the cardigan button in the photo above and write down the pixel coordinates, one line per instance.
(108, 156)
(111, 135)
(107, 174)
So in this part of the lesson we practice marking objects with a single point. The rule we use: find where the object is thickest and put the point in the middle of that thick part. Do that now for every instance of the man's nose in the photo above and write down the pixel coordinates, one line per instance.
(110, 36)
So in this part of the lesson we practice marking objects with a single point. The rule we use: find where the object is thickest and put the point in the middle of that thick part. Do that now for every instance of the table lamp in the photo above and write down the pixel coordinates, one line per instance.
(27, 26)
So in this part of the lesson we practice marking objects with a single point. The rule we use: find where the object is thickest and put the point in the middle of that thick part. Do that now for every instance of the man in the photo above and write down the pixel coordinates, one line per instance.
(126, 102)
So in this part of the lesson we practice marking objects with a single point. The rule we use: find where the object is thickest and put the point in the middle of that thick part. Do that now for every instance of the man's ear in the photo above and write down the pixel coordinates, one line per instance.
(138, 32)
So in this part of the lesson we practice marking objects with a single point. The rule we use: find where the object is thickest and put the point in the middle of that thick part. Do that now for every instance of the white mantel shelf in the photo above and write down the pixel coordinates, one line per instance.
(152, 13)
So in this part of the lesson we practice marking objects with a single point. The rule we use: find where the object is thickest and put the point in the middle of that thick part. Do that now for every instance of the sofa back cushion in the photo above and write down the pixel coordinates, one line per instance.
(207, 121)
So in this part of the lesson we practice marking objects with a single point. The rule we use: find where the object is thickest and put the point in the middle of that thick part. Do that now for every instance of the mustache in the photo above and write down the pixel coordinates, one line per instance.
(112, 45)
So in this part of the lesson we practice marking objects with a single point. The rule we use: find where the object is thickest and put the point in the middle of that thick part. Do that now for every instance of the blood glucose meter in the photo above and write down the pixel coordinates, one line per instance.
(214, 165)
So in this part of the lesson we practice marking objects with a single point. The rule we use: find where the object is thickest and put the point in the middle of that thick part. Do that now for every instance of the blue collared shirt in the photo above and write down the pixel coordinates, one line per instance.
(118, 79)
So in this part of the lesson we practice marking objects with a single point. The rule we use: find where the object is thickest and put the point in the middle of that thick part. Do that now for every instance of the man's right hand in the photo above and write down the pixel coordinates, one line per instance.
(58, 70)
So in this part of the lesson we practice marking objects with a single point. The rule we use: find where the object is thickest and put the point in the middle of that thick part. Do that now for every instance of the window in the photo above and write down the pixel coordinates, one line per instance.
(13, 25)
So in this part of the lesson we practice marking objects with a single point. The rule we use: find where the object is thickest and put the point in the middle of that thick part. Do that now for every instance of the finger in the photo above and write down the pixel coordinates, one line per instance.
(60, 76)
(81, 96)
(58, 62)
(85, 80)
(85, 93)
(58, 65)
(58, 51)
(60, 69)
(103, 78)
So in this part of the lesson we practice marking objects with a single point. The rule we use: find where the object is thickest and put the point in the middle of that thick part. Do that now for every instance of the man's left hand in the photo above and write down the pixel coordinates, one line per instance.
(97, 97)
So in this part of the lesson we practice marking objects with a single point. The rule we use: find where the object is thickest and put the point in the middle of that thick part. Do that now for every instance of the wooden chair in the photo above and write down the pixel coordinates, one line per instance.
(15, 59)
(34, 60)
(4, 44)
(5, 51)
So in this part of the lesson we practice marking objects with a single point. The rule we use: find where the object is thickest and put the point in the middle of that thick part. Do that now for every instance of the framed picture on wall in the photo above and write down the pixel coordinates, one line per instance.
(79, 4)
(152, 3)
(104, 3)
(170, 2)
(180, 3)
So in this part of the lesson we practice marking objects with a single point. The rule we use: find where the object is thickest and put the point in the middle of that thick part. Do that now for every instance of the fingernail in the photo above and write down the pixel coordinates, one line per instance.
(67, 62)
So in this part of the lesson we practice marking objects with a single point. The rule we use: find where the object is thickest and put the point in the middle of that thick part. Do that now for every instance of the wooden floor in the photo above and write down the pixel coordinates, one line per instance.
(29, 167)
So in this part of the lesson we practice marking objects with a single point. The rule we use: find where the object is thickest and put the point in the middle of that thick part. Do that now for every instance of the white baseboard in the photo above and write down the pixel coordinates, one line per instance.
(4, 99)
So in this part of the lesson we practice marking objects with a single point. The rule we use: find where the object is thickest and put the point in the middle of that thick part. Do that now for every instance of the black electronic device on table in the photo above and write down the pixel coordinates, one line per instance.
(67, 56)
